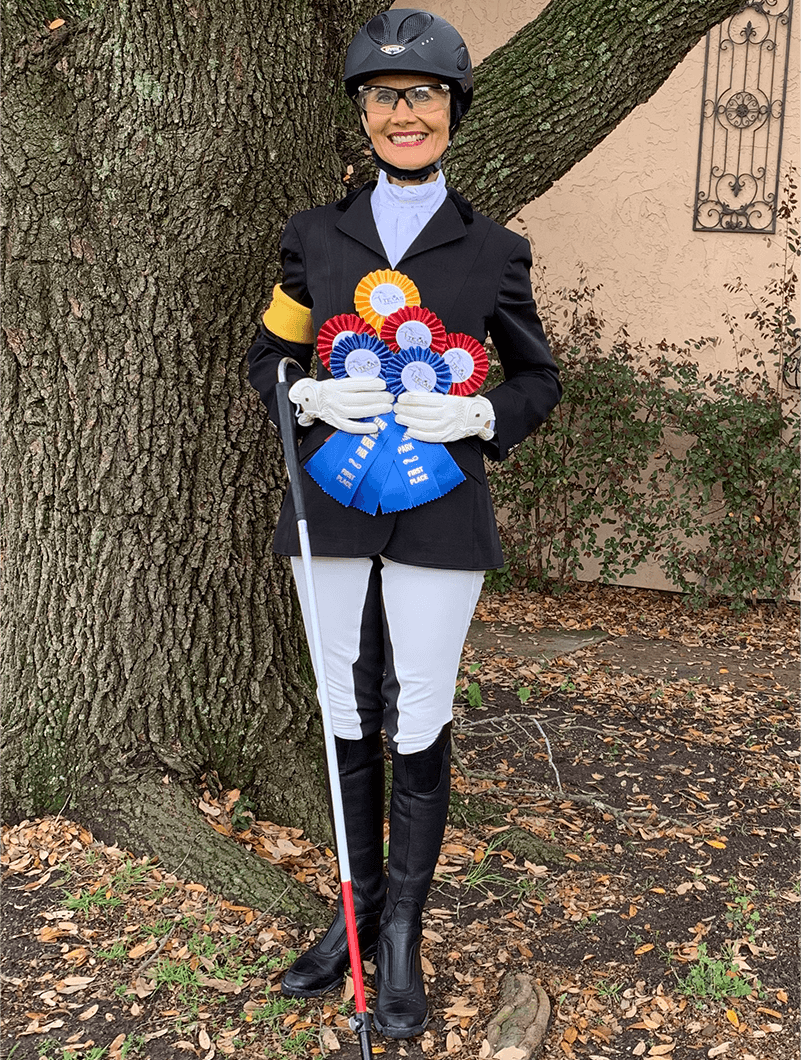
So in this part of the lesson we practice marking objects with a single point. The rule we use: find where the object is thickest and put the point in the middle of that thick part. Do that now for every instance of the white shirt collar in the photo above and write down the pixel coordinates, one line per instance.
(424, 197)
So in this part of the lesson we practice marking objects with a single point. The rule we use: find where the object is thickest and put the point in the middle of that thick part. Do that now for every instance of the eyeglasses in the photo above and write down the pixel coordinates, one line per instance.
(422, 99)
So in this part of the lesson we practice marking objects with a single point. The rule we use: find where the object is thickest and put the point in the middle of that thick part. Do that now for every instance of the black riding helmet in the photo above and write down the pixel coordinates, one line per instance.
(410, 41)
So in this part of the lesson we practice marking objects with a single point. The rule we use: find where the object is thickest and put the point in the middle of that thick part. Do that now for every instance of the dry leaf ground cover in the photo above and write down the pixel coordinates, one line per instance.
(624, 830)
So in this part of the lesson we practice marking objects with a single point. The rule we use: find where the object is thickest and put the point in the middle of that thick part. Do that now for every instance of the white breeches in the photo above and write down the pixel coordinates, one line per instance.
(392, 638)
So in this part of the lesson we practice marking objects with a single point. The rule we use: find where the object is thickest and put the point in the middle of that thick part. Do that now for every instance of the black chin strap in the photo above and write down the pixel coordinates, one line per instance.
(405, 174)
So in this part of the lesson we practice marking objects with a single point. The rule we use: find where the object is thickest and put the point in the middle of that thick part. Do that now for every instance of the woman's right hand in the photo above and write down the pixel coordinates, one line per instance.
(342, 402)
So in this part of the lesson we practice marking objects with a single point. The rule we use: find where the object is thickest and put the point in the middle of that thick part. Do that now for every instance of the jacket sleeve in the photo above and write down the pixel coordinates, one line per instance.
(286, 328)
(531, 388)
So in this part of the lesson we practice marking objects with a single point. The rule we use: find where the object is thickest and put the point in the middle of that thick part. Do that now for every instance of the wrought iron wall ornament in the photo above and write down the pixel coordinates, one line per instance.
(791, 369)
(742, 119)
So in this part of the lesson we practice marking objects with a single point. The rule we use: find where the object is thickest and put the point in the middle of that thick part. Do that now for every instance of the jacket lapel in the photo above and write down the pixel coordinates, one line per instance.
(358, 223)
(444, 227)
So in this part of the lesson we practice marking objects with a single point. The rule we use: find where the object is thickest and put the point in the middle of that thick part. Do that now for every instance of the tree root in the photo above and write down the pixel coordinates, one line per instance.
(156, 815)
(518, 1029)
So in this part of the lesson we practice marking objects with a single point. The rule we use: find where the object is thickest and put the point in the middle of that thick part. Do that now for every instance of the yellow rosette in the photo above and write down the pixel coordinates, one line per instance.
(381, 293)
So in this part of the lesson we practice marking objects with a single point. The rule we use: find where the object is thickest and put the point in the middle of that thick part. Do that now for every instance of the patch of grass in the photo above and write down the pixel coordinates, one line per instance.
(482, 877)
(86, 903)
(128, 876)
(49, 1049)
(742, 917)
(133, 1046)
(270, 1012)
(201, 945)
(174, 973)
(714, 979)
(117, 952)
(608, 989)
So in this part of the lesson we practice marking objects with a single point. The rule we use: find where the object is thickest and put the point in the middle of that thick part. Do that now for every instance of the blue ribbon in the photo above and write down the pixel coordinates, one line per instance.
(341, 350)
(389, 469)
(340, 466)
(414, 356)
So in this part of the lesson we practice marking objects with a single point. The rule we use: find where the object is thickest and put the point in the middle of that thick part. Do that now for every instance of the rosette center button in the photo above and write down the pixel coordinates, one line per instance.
(413, 333)
(418, 377)
(362, 364)
(386, 298)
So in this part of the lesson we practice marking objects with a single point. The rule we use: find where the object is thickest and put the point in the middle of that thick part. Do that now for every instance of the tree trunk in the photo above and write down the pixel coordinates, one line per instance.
(154, 149)
(154, 153)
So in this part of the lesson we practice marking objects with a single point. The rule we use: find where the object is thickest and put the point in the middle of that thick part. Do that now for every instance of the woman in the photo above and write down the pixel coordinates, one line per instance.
(397, 588)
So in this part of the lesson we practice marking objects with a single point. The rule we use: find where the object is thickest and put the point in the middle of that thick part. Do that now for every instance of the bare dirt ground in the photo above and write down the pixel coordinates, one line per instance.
(624, 832)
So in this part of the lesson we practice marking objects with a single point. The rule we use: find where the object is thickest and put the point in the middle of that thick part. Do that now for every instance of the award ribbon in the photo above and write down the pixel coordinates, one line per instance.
(339, 327)
(389, 470)
(340, 466)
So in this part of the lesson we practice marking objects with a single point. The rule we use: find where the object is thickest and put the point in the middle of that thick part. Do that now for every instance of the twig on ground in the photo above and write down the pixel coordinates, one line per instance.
(156, 952)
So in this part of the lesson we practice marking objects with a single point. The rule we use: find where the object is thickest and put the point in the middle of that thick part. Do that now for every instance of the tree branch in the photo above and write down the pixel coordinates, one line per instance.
(551, 94)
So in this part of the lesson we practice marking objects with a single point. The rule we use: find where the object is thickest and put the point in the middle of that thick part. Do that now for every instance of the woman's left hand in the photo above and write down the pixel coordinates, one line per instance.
(444, 417)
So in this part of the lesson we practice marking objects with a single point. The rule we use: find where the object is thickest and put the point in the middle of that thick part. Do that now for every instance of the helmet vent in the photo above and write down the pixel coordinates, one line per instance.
(379, 30)
(463, 58)
(411, 27)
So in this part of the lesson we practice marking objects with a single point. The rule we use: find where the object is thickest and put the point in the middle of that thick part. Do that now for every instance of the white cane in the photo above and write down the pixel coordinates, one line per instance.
(360, 1023)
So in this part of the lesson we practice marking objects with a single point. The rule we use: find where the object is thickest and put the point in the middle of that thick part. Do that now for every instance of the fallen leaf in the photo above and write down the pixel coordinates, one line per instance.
(89, 1012)
(142, 949)
(719, 1050)
(511, 1052)
(203, 1039)
(56, 24)
(662, 1050)
(453, 1043)
(639, 1048)
(461, 1008)
(732, 1017)
(115, 1047)
(330, 1040)
(643, 949)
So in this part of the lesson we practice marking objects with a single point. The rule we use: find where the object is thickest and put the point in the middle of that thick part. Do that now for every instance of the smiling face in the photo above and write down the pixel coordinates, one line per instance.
(403, 138)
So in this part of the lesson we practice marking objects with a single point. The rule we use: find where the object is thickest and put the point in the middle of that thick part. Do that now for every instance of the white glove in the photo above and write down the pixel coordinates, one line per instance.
(341, 402)
(444, 417)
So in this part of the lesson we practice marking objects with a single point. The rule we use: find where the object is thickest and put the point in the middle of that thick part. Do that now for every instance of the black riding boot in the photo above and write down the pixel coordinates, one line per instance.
(418, 811)
(361, 774)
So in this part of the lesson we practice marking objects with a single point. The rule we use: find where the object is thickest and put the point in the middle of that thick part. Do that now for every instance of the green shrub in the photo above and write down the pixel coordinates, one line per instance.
(648, 457)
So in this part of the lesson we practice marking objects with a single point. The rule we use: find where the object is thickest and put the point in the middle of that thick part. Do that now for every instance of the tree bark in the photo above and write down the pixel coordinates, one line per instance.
(154, 149)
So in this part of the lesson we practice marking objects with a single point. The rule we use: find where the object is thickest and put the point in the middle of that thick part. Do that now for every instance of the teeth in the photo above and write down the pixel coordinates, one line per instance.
(408, 139)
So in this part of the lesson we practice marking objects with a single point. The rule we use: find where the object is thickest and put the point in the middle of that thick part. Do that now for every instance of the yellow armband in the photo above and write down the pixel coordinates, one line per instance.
(288, 319)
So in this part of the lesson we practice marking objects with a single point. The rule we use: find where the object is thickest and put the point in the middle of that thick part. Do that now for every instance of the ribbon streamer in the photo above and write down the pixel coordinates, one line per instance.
(341, 464)
(405, 473)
